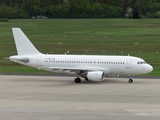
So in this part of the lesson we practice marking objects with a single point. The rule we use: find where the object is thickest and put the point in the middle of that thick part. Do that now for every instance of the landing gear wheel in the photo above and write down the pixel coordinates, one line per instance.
(130, 80)
(77, 80)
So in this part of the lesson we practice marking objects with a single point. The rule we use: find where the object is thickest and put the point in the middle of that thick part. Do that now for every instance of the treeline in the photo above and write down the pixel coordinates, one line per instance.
(79, 8)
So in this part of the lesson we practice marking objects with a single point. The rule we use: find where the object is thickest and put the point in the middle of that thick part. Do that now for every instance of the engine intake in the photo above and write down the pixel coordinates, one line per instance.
(95, 76)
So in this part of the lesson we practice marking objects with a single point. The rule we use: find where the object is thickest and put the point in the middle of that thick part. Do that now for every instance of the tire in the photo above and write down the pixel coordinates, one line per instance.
(130, 80)
(77, 80)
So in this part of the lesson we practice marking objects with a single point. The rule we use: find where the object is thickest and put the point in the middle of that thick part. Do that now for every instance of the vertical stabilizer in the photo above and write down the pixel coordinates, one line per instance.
(23, 44)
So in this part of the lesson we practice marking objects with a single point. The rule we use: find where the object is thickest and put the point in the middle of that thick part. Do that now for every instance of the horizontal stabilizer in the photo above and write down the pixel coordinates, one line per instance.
(19, 58)
(6, 58)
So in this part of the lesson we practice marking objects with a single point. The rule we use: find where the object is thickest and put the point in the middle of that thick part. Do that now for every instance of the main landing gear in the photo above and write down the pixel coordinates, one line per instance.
(130, 80)
(77, 80)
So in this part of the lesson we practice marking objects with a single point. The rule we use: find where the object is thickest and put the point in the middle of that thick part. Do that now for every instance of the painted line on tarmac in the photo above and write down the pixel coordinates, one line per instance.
(79, 113)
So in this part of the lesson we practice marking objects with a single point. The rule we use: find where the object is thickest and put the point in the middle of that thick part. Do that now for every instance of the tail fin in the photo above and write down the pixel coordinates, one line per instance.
(23, 44)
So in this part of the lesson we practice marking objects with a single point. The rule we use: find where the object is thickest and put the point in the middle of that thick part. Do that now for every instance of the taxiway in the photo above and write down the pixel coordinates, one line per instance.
(59, 98)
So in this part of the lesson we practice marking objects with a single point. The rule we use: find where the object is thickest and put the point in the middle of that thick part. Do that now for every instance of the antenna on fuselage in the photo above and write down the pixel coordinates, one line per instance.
(67, 52)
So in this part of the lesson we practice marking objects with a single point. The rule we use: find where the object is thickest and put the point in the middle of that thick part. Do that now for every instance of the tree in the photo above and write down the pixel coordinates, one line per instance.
(78, 8)
(136, 13)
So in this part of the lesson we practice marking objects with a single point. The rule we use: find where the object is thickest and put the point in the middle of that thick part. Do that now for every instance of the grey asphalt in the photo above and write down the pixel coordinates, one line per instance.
(59, 98)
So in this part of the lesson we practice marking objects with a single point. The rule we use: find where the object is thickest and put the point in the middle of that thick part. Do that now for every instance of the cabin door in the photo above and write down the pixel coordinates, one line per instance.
(128, 63)
(39, 62)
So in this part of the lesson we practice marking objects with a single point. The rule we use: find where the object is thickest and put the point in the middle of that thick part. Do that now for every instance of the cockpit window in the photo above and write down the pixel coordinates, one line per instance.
(141, 62)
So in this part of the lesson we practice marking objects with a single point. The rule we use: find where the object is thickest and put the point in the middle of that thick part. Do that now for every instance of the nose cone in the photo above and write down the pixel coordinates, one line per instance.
(149, 68)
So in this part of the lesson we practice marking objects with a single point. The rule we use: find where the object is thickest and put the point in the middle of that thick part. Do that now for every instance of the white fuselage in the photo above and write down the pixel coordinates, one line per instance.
(108, 64)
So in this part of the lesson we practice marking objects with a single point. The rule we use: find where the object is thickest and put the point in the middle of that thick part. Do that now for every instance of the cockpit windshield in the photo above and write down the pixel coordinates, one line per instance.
(141, 62)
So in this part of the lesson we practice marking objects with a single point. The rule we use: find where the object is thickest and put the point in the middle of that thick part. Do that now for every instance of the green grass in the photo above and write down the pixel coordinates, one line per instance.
(139, 38)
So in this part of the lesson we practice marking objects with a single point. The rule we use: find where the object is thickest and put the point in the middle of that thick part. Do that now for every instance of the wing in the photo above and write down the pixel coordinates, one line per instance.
(72, 69)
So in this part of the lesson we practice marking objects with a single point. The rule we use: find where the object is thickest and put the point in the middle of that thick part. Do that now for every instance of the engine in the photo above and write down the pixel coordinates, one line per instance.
(95, 76)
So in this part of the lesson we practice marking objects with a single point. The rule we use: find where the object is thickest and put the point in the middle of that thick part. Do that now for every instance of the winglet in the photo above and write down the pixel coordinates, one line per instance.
(23, 44)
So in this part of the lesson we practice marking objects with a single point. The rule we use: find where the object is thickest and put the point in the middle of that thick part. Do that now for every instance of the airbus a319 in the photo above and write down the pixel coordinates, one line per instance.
(90, 67)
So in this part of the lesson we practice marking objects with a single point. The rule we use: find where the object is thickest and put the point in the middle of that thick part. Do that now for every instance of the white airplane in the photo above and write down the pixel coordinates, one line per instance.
(90, 67)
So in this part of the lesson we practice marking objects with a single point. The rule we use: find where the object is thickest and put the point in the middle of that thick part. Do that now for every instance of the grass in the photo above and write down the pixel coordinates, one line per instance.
(139, 38)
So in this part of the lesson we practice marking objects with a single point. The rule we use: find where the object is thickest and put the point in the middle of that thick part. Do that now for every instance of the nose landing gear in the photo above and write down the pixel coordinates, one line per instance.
(130, 80)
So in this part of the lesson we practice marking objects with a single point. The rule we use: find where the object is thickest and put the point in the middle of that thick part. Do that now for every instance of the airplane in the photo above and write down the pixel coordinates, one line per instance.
(89, 67)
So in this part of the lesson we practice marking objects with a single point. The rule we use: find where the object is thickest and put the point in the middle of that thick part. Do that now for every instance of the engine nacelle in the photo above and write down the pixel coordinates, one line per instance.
(95, 76)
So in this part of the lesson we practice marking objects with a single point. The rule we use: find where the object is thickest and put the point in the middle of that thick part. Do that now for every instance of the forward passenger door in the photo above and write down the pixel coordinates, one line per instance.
(128, 63)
